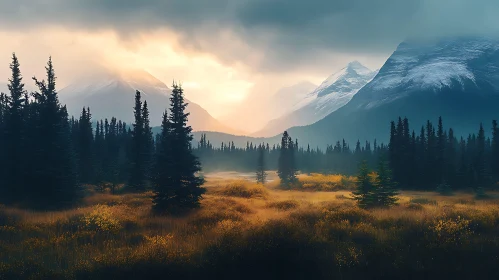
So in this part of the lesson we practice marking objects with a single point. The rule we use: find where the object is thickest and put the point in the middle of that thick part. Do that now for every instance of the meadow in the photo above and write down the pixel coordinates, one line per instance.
(249, 231)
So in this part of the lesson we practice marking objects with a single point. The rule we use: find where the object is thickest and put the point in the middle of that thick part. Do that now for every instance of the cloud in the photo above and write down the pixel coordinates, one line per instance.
(267, 35)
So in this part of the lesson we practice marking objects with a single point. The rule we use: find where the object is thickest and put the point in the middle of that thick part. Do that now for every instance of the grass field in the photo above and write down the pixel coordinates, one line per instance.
(247, 231)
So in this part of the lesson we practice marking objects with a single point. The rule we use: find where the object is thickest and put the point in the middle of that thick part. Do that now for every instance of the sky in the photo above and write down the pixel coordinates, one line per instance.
(226, 52)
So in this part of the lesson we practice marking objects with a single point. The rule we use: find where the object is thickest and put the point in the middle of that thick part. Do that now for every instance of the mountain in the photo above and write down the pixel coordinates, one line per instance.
(268, 106)
(456, 78)
(112, 94)
(336, 91)
(285, 100)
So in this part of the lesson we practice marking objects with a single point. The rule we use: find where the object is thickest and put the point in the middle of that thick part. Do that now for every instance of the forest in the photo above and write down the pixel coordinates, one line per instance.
(98, 199)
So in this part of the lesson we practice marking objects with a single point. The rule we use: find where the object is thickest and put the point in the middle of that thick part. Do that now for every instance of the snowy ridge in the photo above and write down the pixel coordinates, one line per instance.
(336, 91)
(434, 65)
(339, 87)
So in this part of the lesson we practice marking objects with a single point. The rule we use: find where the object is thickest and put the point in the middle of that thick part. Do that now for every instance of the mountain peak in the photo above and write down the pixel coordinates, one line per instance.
(358, 68)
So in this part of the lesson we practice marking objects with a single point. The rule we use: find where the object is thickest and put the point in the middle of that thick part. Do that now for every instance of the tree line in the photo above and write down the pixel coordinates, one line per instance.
(435, 158)
(339, 158)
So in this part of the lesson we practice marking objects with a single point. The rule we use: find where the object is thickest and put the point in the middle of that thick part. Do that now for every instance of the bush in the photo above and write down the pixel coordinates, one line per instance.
(102, 219)
(451, 231)
(327, 183)
(244, 189)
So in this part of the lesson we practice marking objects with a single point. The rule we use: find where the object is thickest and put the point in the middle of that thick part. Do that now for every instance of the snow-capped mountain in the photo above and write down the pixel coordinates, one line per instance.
(336, 91)
(111, 94)
(456, 78)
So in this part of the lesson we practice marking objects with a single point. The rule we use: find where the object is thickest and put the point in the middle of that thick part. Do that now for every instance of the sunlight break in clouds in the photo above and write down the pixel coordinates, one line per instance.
(208, 82)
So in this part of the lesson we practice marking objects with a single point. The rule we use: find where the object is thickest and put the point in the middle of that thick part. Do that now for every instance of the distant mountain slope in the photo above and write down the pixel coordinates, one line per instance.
(336, 91)
(260, 107)
(112, 94)
(456, 78)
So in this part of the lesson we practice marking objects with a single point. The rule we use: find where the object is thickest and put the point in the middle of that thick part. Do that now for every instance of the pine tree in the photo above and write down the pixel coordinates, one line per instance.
(15, 135)
(52, 177)
(179, 188)
(261, 175)
(479, 162)
(85, 147)
(148, 140)
(364, 194)
(164, 190)
(286, 166)
(385, 191)
(137, 176)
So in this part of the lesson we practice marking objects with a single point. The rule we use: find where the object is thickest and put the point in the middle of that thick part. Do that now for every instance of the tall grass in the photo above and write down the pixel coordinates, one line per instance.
(245, 231)
(326, 183)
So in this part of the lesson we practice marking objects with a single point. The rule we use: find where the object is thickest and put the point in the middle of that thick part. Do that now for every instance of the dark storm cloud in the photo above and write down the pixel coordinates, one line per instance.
(287, 32)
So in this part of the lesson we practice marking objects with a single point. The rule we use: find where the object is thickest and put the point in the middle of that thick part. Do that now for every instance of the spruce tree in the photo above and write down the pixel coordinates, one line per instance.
(261, 175)
(364, 194)
(162, 178)
(178, 188)
(148, 141)
(137, 181)
(286, 165)
(15, 134)
(52, 177)
(85, 147)
(385, 191)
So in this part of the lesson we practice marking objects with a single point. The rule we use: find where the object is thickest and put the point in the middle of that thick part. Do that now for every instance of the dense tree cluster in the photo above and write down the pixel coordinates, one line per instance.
(335, 159)
(37, 163)
(46, 156)
(436, 159)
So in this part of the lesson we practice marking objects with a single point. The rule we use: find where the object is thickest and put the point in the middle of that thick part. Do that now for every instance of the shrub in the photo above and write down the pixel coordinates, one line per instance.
(245, 190)
(102, 219)
(451, 231)
(327, 183)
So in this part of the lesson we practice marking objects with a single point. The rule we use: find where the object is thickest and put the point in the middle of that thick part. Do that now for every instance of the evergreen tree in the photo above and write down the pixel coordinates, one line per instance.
(137, 170)
(15, 134)
(286, 168)
(364, 194)
(261, 175)
(85, 147)
(479, 163)
(148, 140)
(385, 191)
(52, 177)
(164, 190)
(179, 188)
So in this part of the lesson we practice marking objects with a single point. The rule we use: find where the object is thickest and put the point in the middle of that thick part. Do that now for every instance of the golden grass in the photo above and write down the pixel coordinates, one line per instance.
(320, 182)
(242, 188)
(236, 216)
